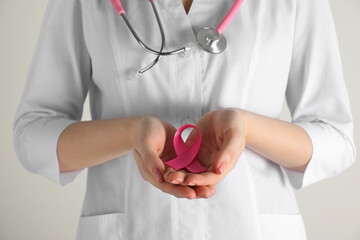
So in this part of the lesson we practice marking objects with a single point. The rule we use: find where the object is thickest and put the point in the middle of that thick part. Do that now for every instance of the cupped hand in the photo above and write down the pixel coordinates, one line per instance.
(222, 143)
(153, 145)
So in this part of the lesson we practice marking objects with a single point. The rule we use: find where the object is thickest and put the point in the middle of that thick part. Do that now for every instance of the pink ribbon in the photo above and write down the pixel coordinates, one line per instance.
(186, 157)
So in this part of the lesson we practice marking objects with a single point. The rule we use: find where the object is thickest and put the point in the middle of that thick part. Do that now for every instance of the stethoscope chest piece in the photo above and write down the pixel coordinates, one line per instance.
(210, 40)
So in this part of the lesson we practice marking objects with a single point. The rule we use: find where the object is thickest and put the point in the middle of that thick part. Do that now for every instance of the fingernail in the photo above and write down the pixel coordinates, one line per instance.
(157, 175)
(204, 196)
(174, 181)
(222, 167)
(190, 183)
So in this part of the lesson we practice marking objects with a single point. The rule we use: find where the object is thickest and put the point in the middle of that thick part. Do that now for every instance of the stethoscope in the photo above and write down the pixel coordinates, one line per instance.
(209, 39)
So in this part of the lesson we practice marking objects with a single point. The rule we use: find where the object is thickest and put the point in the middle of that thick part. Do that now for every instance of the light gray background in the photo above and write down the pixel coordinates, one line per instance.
(32, 207)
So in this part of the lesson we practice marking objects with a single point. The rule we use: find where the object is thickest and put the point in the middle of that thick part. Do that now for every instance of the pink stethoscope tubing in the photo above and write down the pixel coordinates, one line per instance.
(229, 16)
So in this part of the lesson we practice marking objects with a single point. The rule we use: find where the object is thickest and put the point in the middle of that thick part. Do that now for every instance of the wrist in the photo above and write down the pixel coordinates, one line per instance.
(134, 126)
(246, 116)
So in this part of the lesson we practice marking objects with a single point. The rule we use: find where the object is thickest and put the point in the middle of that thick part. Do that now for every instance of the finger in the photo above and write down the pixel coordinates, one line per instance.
(230, 151)
(140, 165)
(205, 191)
(175, 177)
(206, 178)
(154, 164)
(178, 191)
(167, 172)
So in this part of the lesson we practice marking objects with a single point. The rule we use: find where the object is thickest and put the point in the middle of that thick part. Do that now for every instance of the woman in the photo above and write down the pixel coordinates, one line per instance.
(275, 49)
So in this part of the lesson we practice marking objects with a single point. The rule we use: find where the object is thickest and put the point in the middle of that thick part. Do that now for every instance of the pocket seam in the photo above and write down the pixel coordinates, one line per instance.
(101, 217)
(101, 226)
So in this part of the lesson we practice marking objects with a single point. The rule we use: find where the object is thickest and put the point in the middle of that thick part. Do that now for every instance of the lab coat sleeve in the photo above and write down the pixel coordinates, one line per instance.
(316, 94)
(55, 90)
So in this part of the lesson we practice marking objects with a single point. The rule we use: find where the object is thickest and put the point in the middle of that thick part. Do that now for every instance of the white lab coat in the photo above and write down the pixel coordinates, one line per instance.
(276, 49)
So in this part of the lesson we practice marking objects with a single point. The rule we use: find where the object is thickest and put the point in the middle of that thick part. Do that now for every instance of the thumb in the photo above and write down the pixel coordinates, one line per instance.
(154, 165)
(231, 149)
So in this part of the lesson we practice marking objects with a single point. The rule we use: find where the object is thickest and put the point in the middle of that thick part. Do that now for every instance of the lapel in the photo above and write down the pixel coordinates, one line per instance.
(181, 28)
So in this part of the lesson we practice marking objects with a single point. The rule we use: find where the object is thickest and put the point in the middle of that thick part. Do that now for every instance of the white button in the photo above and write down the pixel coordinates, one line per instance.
(190, 48)
(185, 54)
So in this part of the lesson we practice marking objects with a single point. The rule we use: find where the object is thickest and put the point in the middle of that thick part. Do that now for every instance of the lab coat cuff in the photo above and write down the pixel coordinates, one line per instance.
(326, 157)
(42, 146)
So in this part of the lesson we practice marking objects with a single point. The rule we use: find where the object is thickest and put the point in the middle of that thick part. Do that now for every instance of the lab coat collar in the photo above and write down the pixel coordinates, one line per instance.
(181, 27)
